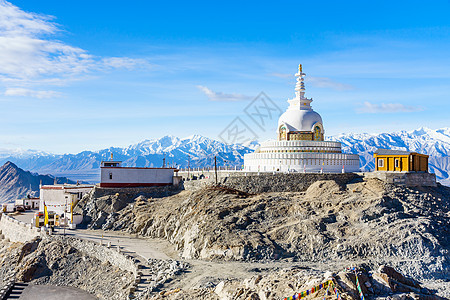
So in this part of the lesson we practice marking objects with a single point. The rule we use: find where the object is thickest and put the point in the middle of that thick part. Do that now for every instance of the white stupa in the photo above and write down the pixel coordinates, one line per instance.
(300, 145)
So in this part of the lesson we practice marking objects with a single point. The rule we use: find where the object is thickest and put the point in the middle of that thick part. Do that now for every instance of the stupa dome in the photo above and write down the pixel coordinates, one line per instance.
(299, 120)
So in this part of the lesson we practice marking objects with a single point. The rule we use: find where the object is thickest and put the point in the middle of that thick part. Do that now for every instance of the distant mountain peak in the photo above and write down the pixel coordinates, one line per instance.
(10, 164)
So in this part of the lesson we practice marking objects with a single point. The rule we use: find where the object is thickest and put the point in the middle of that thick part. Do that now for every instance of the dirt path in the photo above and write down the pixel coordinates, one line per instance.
(199, 274)
(144, 247)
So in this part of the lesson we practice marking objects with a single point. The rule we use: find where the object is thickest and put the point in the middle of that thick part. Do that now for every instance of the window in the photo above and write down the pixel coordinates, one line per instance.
(283, 133)
(107, 164)
(317, 133)
(397, 163)
(380, 163)
(110, 175)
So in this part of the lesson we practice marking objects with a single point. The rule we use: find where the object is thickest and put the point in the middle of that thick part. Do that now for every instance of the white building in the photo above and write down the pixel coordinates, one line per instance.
(33, 203)
(112, 174)
(61, 198)
(300, 145)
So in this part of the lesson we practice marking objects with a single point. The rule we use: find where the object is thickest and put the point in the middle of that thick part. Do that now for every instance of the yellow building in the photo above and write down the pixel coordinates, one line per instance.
(402, 161)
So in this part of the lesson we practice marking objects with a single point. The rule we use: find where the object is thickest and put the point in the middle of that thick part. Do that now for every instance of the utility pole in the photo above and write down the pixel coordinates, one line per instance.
(189, 165)
(65, 218)
(215, 167)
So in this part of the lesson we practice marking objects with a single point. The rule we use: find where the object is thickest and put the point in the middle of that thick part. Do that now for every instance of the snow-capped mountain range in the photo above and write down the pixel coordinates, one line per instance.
(199, 151)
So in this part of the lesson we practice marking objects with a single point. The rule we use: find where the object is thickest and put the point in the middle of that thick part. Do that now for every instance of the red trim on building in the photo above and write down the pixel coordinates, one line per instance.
(79, 187)
(62, 187)
(109, 184)
(175, 169)
(52, 187)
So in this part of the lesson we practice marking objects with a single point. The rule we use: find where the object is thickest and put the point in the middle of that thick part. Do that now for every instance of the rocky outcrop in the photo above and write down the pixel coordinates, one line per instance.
(386, 283)
(111, 200)
(162, 271)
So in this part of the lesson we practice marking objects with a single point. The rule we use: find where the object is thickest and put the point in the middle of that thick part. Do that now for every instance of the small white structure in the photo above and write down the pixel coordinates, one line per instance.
(300, 145)
(8, 207)
(61, 198)
(112, 174)
(33, 203)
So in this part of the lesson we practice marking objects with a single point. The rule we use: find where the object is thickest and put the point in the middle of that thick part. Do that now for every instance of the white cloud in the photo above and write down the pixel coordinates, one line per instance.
(219, 96)
(124, 62)
(328, 83)
(31, 93)
(30, 53)
(372, 108)
(15, 22)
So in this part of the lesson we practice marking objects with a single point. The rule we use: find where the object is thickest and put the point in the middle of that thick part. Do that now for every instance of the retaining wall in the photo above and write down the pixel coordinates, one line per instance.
(154, 192)
(299, 182)
(404, 178)
(296, 182)
(268, 182)
(17, 231)
(103, 253)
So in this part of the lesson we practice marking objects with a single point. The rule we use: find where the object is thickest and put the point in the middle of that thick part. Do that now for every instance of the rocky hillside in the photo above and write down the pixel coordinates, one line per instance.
(16, 183)
(359, 220)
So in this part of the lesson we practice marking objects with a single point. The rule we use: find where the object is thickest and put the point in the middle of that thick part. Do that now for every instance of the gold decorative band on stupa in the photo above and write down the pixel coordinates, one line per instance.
(300, 70)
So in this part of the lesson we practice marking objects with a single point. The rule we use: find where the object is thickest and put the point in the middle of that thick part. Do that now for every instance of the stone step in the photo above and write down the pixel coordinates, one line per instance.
(16, 291)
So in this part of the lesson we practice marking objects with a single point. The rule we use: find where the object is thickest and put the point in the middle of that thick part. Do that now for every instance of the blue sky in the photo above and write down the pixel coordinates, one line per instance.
(86, 75)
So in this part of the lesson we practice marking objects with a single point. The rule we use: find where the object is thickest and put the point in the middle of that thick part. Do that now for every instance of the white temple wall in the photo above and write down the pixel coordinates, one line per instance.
(300, 162)
(122, 177)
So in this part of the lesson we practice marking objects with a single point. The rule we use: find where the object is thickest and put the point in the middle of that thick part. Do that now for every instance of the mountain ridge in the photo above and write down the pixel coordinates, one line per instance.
(16, 183)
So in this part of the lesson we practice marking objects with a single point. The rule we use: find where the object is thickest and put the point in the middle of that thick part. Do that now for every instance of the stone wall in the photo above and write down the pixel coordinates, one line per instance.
(154, 192)
(404, 178)
(268, 182)
(280, 182)
(195, 185)
(103, 253)
(17, 231)
(299, 182)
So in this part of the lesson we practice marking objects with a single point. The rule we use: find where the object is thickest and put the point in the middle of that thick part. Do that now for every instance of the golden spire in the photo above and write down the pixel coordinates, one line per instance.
(300, 68)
